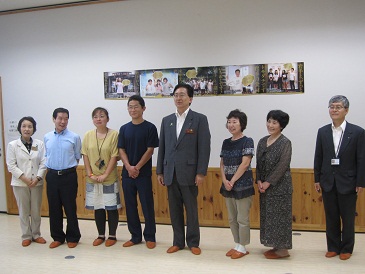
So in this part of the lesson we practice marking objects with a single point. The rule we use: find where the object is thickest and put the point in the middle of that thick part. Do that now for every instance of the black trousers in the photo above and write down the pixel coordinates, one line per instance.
(340, 208)
(142, 186)
(180, 197)
(61, 194)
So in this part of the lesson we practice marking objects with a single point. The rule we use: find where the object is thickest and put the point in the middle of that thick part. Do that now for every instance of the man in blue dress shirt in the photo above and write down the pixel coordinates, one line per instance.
(62, 157)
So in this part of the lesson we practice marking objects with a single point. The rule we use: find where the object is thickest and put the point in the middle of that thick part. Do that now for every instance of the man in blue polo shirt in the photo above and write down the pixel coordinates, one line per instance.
(62, 157)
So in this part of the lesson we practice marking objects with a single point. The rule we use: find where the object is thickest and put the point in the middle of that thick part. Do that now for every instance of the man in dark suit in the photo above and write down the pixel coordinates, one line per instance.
(339, 170)
(182, 164)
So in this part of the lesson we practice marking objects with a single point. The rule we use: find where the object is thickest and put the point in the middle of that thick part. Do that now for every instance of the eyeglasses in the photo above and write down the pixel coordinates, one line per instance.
(180, 95)
(336, 107)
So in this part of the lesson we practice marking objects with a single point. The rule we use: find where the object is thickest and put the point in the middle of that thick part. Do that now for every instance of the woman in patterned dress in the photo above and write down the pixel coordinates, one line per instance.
(237, 187)
(275, 187)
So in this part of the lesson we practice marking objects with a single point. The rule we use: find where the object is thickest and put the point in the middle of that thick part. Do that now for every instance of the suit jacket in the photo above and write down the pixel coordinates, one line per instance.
(20, 161)
(189, 154)
(351, 171)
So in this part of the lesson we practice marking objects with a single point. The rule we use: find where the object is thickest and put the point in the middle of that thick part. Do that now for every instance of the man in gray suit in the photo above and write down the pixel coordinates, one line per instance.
(339, 170)
(182, 164)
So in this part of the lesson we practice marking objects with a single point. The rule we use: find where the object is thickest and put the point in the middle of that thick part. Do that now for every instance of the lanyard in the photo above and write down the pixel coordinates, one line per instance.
(97, 142)
(339, 144)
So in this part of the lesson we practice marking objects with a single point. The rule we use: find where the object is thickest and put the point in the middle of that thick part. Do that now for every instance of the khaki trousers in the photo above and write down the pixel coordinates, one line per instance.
(239, 219)
(29, 202)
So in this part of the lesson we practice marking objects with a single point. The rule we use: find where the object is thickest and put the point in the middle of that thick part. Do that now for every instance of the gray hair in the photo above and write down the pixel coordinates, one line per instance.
(340, 99)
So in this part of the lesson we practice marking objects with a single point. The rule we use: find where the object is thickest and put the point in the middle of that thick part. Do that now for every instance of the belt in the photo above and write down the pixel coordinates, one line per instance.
(63, 171)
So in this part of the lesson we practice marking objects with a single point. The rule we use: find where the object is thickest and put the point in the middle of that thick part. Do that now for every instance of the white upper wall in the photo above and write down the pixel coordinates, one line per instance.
(57, 58)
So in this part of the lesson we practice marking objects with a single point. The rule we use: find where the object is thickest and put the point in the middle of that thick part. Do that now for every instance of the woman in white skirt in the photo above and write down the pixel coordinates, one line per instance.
(100, 153)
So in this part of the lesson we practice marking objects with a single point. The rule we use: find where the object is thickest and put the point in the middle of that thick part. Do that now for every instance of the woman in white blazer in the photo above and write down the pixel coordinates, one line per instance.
(25, 160)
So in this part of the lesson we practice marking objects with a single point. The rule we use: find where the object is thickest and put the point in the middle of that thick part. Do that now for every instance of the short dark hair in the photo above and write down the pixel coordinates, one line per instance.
(280, 116)
(189, 89)
(30, 119)
(241, 116)
(101, 109)
(237, 70)
(137, 98)
(60, 110)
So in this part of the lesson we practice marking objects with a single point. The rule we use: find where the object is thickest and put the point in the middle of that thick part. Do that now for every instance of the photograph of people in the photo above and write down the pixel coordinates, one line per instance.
(339, 172)
(280, 79)
(275, 186)
(150, 88)
(270, 76)
(182, 164)
(202, 85)
(210, 86)
(137, 141)
(237, 181)
(158, 87)
(25, 161)
(285, 80)
(119, 87)
(235, 82)
(276, 79)
(292, 77)
(167, 88)
(100, 154)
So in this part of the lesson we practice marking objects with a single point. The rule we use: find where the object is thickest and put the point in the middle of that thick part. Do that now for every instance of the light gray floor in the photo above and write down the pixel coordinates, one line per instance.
(306, 257)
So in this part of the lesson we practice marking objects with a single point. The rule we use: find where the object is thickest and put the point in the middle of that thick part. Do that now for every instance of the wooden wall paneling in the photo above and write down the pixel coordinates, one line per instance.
(10, 198)
(206, 200)
(220, 215)
(308, 212)
(44, 206)
(161, 201)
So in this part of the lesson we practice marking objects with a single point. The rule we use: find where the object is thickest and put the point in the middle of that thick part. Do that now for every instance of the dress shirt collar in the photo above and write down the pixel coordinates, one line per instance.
(25, 143)
(62, 132)
(183, 115)
(341, 127)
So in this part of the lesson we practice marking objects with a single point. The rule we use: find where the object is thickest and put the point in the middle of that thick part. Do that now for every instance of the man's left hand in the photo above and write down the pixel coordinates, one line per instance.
(199, 179)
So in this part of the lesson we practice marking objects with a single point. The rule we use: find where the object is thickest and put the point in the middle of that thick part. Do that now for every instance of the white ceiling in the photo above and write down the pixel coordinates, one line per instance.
(6, 5)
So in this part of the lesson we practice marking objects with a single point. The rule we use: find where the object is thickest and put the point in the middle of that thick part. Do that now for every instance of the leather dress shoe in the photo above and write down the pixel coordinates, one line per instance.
(98, 241)
(196, 250)
(40, 240)
(150, 245)
(110, 241)
(128, 244)
(72, 244)
(331, 254)
(229, 253)
(55, 244)
(26, 242)
(237, 254)
(173, 249)
(274, 255)
(270, 251)
(345, 256)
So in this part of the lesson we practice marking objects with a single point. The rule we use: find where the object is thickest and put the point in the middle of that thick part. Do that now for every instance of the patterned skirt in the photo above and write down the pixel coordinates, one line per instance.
(276, 221)
(99, 196)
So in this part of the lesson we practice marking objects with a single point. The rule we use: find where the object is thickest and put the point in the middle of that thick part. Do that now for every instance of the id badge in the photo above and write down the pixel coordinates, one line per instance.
(100, 163)
(335, 162)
